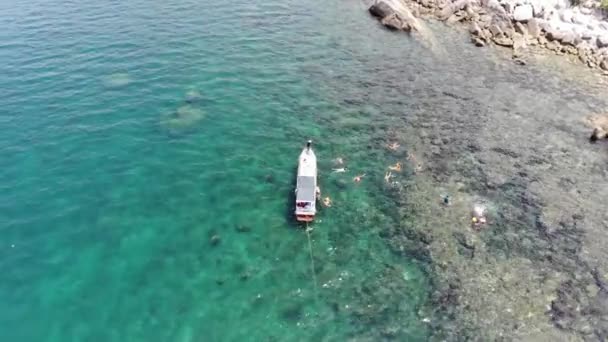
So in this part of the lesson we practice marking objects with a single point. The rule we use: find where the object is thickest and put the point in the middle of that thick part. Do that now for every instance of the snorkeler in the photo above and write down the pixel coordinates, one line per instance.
(393, 146)
(340, 170)
(327, 202)
(358, 178)
(396, 167)
(387, 177)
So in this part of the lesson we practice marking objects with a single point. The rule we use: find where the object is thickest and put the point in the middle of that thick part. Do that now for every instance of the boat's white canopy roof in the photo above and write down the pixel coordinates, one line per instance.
(306, 189)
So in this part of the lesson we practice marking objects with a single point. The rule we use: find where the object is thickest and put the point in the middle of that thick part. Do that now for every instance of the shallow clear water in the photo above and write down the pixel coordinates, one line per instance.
(108, 214)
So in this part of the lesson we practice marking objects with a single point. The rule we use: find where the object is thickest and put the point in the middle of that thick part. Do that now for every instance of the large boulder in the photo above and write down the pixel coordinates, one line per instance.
(523, 13)
(393, 22)
(555, 34)
(394, 14)
(602, 41)
(600, 126)
(533, 28)
(183, 120)
(381, 9)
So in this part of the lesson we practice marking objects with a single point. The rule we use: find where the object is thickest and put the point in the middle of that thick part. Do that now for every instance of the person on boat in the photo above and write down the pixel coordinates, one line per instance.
(318, 192)
(358, 178)
(340, 170)
(327, 202)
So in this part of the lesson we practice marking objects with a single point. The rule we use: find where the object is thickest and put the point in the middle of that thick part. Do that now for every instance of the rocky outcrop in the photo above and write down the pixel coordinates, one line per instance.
(599, 123)
(394, 14)
(516, 24)
(399, 15)
(183, 120)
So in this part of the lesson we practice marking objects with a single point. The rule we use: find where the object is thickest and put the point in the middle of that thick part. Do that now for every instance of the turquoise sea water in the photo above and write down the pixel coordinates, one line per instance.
(117, 227)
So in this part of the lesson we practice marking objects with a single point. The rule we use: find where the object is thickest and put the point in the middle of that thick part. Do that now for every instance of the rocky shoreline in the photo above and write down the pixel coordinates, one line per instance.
(519, 25)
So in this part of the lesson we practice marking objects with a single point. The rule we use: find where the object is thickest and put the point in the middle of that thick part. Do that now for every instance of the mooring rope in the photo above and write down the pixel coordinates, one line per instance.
(312, 261)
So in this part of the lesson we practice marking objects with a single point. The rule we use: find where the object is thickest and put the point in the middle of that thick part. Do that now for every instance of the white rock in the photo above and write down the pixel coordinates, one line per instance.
(523, 13)
(586, 10)
(533, 28)
(566, 15)
(538, 7)
(602, 41)
(587, 35)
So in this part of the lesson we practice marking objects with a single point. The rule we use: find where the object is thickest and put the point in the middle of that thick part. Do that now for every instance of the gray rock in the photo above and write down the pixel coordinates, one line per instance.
(381, 9)
(394, 14)
(587, 35)
(521, 29)
(460, 4)
(474, 29)
(602, 41)
(569, 38)
(426, 3)
(393, 22)
(454, 18)
(533, 28)
(519, 42)
(566, 15)
(485, 20)
(578, 19)
(604, 64)
(503, 41)
(523, 13)
(553, 45)
(554, 34)
(193, 96)
(478, 42)
(446, 12)
(537, 7)
(495, 30)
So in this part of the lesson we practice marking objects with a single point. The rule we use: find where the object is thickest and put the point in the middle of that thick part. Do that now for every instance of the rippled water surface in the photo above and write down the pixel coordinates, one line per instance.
(148, 153)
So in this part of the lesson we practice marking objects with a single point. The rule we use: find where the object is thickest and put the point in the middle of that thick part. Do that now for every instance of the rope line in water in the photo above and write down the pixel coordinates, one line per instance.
(312, 261)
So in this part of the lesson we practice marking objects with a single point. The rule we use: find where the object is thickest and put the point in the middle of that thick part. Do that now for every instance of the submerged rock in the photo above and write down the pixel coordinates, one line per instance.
(117, 80)
(182, 120)
(215, 240)
(241, 228)
(193, 96)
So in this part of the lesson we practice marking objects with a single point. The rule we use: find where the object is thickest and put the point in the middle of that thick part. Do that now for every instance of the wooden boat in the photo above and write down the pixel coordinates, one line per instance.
(306, 186)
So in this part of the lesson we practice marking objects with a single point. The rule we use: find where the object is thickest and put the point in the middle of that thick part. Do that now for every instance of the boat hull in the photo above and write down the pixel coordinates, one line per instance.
(306, 186)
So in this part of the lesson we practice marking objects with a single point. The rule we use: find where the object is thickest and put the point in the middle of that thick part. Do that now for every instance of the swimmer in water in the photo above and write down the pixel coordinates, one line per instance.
(340, 170)
(396, 167)
(339, 161)
(393, 146)
(387, 177)
(358, 178)
(327, 202)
